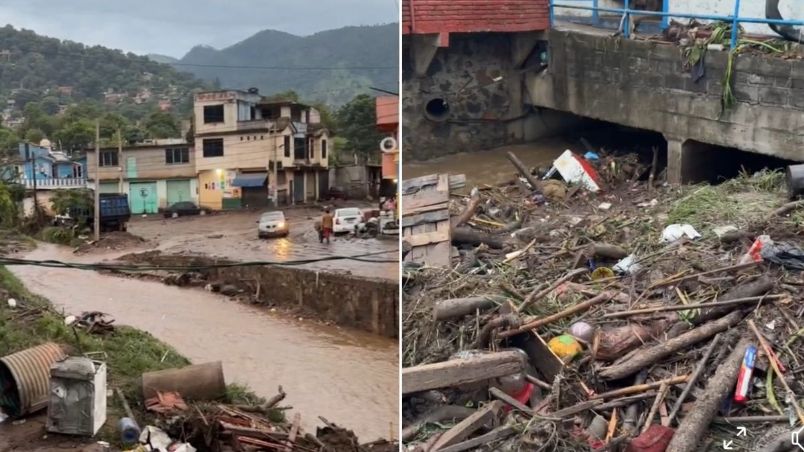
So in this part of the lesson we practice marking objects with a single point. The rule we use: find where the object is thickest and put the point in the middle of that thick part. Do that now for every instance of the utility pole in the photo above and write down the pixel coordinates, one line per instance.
(32, 161)
(276, 166)
(96, 216)
(120, 160)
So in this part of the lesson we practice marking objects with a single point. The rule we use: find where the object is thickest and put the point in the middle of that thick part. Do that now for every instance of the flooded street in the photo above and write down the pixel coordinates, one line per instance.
(348, 377)
(492, 166)
(233, 235)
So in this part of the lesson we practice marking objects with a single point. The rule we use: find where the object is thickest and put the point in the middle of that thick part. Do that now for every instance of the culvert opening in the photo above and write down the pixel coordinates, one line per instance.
(717, 164)
(437, 109)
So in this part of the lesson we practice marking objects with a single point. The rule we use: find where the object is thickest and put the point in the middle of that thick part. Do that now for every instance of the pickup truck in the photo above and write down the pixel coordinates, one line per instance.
(115, 214)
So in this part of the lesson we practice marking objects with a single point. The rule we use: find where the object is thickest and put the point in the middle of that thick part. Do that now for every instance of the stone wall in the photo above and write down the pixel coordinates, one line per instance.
(478, 78)
(367, 304)
(644, 85)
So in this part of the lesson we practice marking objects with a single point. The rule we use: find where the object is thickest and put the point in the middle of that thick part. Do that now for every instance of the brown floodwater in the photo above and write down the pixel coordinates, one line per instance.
(492, 166)
(346, 376)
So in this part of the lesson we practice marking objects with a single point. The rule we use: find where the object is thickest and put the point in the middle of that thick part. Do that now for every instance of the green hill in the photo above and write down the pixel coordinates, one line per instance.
(366, 55)
(59, 73)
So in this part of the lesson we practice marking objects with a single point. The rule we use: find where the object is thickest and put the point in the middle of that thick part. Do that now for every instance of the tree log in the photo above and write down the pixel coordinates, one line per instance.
(461, 371)
(652, 354)
(696, 423)
(459, 307)
(608, 251)
(752, 289)
(466, 236)
(469, 212)
(523, 170)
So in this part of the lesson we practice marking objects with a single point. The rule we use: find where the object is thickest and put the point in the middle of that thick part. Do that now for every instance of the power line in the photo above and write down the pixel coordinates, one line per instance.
(140, 268)
(291, 68)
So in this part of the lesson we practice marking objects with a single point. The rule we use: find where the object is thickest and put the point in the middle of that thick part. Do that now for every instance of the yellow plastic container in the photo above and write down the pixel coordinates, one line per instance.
(565, 347)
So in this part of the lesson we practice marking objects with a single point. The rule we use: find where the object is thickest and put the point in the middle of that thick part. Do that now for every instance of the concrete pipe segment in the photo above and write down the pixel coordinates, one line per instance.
(25, 379)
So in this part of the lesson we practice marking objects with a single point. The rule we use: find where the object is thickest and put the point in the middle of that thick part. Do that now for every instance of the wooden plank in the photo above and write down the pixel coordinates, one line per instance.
(457, 181)
(418, 182)
(424, 199)
(428, 238)
(460, 371)
(427, 217)
(425, 209)
(482, 417)
(494, 435)
(545, 361)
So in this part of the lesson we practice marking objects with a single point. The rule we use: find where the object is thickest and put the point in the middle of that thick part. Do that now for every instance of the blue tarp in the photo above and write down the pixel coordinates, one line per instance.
(250, 180)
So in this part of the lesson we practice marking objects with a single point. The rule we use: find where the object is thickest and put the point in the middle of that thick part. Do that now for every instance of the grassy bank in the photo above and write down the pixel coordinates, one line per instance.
(128, 352)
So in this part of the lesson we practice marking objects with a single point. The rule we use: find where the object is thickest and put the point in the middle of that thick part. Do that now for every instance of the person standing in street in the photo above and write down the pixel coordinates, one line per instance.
(326, 226)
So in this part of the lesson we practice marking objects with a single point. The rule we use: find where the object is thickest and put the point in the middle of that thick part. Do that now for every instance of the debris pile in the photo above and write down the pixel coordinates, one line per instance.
(635, 317)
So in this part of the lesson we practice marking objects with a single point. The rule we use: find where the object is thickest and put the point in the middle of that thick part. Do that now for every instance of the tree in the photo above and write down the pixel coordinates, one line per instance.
(8, 142)
(50, 105)
(76, 135)
(161, 124)
(34, 135)
(327, 118)
(357, 124)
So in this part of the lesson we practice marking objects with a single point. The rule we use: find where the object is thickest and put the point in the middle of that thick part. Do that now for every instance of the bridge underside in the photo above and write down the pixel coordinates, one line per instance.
(644, 84)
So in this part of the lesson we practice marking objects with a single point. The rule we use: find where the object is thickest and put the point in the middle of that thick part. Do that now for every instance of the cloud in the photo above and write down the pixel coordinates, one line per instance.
(172, 27)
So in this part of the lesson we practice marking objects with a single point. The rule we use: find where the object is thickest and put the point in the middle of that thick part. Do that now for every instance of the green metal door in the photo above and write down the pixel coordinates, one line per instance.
(178, 191)
(142, 197)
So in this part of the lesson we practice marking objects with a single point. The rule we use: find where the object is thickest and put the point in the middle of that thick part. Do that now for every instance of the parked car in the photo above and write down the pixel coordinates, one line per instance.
(272, 224)
(336, 193)
(181, 209)
(347, 220)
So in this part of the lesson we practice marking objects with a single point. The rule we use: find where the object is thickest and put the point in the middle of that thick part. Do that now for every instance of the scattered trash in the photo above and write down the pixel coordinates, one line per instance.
(196, 382)
(787, 255)
(627, 265)
(604, 206)
(70, 319)
(720, 231)
(754, 253)
(575, 169)
(676, 231)
(652, 203)
(583, 331)
(165, 403)
(591, 156)
(565, 346)
(93, 322)
(745, 374)
(12, 303)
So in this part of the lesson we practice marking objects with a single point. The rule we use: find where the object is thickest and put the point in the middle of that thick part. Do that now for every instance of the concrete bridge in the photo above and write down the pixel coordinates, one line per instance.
(642, 84)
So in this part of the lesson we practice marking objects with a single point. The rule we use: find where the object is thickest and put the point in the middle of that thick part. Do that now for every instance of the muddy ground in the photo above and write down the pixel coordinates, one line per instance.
(233, 235)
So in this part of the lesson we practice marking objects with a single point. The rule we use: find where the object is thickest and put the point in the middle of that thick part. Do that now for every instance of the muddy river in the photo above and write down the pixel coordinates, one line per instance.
(492, 166)
(346, 376)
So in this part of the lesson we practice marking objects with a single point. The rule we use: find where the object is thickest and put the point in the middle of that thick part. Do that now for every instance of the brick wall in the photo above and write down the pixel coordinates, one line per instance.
(470, 16)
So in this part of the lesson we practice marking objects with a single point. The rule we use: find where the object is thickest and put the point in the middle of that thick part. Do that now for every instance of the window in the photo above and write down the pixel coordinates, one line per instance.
(287, 145)
(174, 156)
(213, 113)
(323, 149)
(311, 147)
(299, 148)
(245, 112)
(213, 147)
(109, 158)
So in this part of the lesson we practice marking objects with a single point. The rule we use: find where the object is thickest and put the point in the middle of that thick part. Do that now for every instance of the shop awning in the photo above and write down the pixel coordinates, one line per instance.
(250, 180)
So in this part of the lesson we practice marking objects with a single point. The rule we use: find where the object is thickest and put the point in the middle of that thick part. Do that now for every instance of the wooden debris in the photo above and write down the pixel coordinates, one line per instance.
(602, 298)
(482, 440)
(537, 295)
(636, 389)
(649, 355)
(460, 371)
(458, 307)
(486, 416)
(692, 428)
(694, 377)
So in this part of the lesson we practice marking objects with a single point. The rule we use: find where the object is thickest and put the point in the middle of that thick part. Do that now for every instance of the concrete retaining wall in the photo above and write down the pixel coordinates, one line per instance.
(366, 304)
(644, 85)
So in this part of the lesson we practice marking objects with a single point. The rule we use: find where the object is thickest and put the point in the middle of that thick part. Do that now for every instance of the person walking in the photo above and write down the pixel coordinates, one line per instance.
(326, 225)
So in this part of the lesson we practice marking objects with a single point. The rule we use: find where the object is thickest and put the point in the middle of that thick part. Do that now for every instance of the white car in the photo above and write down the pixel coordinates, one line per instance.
(347, 220)
(272, 224)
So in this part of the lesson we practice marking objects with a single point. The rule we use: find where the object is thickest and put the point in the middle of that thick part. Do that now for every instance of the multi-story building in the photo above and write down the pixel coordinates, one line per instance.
(255, 152)
(154, 174)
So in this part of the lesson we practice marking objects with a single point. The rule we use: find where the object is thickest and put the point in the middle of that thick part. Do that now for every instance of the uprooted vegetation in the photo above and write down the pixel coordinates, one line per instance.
(634, 346)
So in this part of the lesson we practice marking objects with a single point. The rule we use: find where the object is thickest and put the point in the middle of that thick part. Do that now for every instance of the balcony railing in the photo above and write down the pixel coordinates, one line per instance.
(626, 12)
(54, 183)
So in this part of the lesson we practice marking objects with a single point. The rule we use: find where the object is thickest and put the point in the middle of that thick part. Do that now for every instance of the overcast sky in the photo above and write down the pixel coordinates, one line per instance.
(172, 27)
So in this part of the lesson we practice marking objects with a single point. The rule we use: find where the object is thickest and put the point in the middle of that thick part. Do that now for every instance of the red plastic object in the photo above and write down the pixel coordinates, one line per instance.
(523, 396)
(655, 439)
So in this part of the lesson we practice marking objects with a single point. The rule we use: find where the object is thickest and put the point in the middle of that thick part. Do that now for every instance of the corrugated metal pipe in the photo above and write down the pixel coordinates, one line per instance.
(25, 379)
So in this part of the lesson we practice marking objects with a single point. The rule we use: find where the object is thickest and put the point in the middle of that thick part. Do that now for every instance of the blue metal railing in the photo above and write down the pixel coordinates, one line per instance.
(665, 15)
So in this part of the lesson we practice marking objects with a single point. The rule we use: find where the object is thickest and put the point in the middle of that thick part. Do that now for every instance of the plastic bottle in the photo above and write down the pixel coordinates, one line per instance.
(129, 430)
